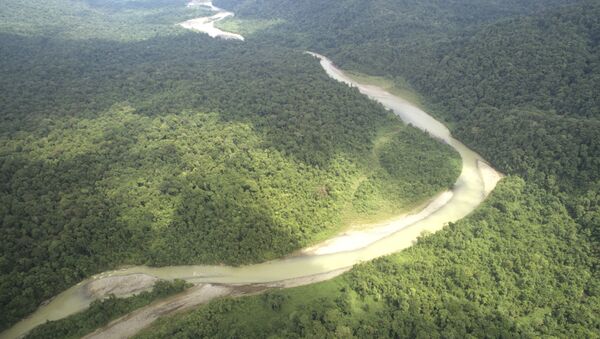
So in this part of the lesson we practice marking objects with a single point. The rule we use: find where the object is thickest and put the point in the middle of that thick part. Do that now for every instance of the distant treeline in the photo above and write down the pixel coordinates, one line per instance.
(522, 90)
(180, 149)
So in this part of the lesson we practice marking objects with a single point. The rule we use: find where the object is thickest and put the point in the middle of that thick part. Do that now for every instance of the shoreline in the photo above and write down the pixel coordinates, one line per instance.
(130, 324)
(476, 180)
(355, 239)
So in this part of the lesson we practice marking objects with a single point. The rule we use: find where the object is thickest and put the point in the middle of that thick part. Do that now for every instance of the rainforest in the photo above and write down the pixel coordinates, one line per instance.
(135, 145)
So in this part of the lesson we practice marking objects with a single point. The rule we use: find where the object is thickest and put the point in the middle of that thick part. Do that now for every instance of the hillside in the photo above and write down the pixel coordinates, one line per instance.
(519, 89)
(487, 275)
(147, 144)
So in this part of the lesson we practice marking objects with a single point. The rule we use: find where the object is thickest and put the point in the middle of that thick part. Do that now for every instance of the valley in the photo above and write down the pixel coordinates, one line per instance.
(336, 255)
(172, 169)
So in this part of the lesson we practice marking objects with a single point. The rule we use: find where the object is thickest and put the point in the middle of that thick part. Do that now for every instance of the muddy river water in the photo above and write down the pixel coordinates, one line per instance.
(475, 182)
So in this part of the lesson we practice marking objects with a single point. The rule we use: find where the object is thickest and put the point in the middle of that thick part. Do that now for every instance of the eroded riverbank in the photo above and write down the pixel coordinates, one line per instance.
(475, 182)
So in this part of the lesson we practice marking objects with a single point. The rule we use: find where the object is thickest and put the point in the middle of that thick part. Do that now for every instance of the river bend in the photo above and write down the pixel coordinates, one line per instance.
(475, 182)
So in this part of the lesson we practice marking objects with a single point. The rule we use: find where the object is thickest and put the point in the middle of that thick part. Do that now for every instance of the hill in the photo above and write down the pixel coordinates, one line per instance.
(141, 144)
(520, 89)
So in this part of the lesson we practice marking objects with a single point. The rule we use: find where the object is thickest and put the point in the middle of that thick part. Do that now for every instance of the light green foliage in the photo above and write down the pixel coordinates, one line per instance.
(399, 177)
(487, 275)
(184, 188)
(176, 150)
(519, 91)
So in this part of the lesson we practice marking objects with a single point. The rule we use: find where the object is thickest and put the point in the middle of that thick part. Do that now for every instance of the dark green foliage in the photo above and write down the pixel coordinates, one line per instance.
(534, 92)
(522, 92)
(121, 20)
(488, 275)
(549, 62)
(555, 150)
(382, 37)
(529, 80)
(172, 74)
(174, 150)
(101, 312)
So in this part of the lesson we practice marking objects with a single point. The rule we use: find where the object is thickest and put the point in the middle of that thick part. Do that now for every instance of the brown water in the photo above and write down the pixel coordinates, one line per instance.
(469, 191)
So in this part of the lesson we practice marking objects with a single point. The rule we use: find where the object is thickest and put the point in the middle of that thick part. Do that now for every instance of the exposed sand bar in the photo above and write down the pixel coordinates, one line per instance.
(475, 182)
(134, 322)
(353, 240)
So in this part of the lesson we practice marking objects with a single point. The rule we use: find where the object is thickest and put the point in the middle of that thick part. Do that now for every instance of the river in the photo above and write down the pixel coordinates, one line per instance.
(207, 24)
(475, 182)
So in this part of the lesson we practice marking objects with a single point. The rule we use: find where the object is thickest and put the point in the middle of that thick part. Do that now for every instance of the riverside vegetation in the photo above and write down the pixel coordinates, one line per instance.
(147, 144)
(526, 262)
(486, 275)
(521, 90)
(101, 312)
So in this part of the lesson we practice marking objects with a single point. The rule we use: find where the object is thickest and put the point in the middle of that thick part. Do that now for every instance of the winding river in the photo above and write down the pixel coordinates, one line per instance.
(207, 24)
(320, 262)
(476, 180)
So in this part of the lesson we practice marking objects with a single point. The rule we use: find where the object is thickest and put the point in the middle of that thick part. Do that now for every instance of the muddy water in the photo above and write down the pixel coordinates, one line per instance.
(471, 188)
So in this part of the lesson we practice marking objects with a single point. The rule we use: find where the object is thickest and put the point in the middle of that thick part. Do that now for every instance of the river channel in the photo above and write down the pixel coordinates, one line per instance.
(475, 182)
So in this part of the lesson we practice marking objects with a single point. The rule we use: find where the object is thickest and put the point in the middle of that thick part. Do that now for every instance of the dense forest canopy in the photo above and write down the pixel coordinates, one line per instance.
(117, 20)
(488, 275)
(120, 132)
(143, 143)
(474, 62)
(518, 82)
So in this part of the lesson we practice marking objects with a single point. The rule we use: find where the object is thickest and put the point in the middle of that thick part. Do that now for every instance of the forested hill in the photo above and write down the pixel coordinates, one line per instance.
(548, 61)
(127, 140)
(528, 84)
(436, 15)
(379, 31)
(518, 84)
(529, 81)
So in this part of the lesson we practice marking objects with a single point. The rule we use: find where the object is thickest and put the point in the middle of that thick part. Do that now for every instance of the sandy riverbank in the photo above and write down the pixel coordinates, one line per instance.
(134, 322)
(357, 239)
(489, 176)
(120, 286)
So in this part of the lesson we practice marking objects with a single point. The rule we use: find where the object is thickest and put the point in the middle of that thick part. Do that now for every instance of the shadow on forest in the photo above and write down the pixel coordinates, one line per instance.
(66, 217)
(283, 93)
(62, 225)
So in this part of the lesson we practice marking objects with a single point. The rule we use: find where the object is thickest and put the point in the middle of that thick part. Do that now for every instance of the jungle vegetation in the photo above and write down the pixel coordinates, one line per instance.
(488, 275)
(121, 145)
(523, 74)
(101, 312)
(516, 81)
